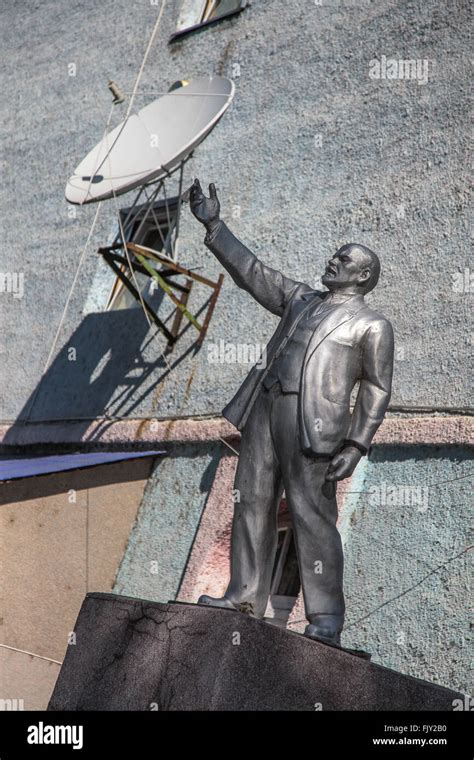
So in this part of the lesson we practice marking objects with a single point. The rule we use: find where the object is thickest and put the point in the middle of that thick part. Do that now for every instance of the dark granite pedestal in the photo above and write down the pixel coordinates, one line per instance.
(132, 654)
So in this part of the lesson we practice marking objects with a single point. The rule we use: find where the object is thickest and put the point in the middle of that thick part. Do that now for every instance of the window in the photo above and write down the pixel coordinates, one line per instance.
(286, 578)
(286, 582)
(156, 233)
(198, 13)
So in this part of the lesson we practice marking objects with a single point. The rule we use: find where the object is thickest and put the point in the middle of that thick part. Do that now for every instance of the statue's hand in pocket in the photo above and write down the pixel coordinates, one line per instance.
(343, 464)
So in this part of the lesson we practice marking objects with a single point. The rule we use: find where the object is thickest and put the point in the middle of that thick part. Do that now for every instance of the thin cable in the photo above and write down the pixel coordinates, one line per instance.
(122, 231)
(63, 316)
(401, 594)
(147, 51)
(68, 301)
(407, 591)
(132, 98)
(94, 222)
(71, 290)
(104, 137)
(125, 247)
(428, 485)
(137, 287)
(209, 415)
(137, 81)
(228, 445)
(32, 654)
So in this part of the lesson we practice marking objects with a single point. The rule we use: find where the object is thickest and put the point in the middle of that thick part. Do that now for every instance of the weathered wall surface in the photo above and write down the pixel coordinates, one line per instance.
(162, 537)
(62, 535)
(407, 568)
(312, 153)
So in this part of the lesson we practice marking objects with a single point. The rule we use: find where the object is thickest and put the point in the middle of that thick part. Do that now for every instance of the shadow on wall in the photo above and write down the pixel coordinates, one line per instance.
(101, 370)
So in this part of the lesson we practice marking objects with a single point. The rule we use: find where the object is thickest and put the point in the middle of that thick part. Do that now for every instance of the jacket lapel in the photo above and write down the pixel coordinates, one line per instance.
(311, 294)
(335, 318)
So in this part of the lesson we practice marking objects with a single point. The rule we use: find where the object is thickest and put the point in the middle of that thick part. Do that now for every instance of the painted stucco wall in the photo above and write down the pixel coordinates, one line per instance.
(407, 566)
(312, 153)
(61, 535)
(169, 516)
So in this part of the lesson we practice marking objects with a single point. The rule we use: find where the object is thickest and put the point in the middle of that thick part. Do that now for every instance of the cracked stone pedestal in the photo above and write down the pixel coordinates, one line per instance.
(132, 654)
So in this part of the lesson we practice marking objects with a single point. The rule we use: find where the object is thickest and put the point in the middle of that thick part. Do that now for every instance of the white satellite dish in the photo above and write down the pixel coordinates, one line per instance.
(149, 144)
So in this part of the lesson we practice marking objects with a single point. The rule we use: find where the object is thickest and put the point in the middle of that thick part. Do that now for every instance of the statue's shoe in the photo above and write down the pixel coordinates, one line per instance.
(318, 633)
(326, 628)
(212, 601)
(223, 602)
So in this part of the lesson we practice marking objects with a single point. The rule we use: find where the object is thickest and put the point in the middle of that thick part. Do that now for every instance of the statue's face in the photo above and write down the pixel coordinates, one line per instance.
(349, 266)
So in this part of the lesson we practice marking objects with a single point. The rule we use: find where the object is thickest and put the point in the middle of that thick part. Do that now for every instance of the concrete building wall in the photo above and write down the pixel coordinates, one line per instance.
(403, 518)
(160, 543)
(61, 536)
(312, 153)
(407, 539)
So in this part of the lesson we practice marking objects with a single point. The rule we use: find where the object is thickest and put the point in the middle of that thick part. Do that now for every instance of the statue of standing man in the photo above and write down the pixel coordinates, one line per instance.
(297, 430)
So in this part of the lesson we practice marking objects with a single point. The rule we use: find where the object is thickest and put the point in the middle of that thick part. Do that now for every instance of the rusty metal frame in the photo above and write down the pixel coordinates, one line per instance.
(121, 255)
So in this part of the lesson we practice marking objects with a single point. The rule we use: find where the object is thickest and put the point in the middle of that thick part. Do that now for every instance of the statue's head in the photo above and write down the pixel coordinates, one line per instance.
(352, 266)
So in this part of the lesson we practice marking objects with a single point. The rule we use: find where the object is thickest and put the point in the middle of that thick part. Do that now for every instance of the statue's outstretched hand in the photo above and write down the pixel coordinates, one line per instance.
(206, 210)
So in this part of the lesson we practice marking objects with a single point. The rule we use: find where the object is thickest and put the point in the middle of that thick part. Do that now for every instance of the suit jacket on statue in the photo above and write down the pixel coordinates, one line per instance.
(353, 343)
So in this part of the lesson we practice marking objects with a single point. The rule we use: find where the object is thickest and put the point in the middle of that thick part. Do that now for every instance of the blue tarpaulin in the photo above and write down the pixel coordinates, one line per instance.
(23, 467)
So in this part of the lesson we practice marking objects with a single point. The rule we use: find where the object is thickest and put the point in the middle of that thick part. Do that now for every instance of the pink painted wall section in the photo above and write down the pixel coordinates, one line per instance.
(207, 571)
(113, 432)
(396, 430)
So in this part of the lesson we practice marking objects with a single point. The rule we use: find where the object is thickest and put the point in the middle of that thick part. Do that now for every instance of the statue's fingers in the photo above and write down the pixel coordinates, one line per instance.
(212, 191)
(195, 191)
(337, 472)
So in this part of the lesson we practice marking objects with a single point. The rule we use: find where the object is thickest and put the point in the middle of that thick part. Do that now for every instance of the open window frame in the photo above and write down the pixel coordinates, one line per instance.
(206, 19)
